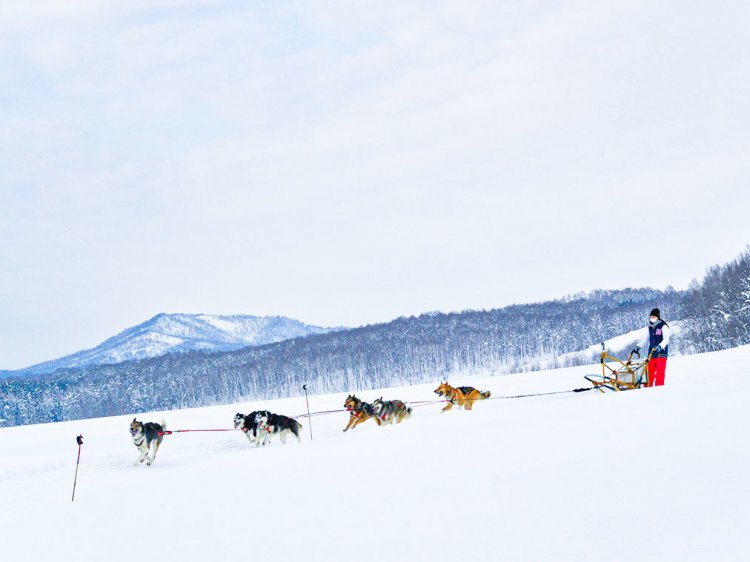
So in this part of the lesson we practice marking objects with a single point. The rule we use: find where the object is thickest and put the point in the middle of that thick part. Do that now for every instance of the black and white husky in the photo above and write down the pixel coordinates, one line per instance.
(269, 424)
(248, 425)
(147, 437)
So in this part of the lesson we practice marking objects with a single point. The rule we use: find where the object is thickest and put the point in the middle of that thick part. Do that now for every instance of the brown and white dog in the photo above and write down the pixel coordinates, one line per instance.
(147, 437)
(463, 396)
(359, 412)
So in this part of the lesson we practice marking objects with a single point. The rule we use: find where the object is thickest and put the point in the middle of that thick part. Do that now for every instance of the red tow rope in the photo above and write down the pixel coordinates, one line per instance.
(193, 430)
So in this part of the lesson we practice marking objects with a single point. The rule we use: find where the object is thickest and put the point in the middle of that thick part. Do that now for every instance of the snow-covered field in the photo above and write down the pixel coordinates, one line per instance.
(654, 474)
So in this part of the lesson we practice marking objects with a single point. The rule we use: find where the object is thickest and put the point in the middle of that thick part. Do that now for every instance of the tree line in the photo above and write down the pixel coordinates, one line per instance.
(714, 314)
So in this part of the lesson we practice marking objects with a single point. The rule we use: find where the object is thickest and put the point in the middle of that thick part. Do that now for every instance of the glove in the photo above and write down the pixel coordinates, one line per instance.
(657, 350)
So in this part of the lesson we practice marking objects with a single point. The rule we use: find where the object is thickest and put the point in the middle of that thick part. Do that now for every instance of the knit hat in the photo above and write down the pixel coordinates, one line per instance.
(656, 312)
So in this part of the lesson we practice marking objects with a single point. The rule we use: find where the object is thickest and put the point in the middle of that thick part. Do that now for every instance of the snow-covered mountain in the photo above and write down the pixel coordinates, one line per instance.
(168, 333)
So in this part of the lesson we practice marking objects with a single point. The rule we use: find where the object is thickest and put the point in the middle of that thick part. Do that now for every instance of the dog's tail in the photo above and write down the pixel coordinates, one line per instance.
(485, 394)
(163, 425)
(296, 428)
(408, 413)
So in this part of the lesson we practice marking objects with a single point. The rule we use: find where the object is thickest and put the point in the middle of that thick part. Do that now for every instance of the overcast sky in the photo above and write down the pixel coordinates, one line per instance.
(345, 163)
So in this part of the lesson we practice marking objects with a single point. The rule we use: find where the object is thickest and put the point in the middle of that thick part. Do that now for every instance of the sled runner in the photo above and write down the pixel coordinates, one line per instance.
(620, 375)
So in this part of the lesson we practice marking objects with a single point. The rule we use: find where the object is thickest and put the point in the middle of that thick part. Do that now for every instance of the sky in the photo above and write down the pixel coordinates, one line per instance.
(346, 163)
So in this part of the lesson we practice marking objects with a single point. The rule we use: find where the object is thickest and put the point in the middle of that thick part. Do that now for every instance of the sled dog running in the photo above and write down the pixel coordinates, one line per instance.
(147, 437)
(269, 424)
(359, 412)
(248, 425)
(463, 396)
(389, 411)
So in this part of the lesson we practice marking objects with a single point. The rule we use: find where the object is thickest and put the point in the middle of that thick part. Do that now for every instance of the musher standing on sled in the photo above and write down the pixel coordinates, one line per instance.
(658, 348)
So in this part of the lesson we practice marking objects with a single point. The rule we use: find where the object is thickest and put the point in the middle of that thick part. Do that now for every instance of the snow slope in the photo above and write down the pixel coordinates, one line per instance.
(167, 333)
(619, 346)
(652, 474)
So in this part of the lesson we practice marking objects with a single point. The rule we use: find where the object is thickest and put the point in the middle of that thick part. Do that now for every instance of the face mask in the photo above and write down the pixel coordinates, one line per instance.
(654, 319)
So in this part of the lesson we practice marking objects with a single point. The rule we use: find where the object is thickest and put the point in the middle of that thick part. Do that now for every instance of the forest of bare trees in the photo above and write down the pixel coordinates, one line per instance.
(713, 313)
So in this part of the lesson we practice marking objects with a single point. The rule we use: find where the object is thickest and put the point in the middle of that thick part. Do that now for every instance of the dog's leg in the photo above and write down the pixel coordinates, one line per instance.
(154, 448)
(448, 406)
(351, 424)
(358, 419)
(142, 450)
(282, 436)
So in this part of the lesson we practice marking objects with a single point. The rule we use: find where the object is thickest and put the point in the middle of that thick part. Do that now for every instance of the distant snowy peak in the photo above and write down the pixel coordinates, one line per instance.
(168, 333)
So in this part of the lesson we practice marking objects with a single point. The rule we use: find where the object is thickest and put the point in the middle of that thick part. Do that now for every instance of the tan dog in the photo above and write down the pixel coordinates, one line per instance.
(359, 412)
(464, 396)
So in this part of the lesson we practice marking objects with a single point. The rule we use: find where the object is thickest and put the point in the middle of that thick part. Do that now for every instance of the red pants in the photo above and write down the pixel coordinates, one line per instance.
(656, 369)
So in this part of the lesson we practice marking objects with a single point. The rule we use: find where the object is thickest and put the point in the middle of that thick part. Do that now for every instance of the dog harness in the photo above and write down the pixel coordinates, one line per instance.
(363, 407)
(454, 391)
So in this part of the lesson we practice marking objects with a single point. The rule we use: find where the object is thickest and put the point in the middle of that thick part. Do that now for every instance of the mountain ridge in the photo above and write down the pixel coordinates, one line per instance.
(179, 332)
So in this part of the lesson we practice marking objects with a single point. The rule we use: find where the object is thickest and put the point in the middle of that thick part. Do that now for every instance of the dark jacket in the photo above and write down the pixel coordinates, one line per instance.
(657, 333)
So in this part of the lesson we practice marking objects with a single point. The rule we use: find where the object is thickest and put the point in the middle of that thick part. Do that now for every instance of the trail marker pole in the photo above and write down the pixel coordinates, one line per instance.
(309, 421)
(79, 440)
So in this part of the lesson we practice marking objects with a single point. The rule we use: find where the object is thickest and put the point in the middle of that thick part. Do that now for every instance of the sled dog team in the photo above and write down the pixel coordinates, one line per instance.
(260, 426)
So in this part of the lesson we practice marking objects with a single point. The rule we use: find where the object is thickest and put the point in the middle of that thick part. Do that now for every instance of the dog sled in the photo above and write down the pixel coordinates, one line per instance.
(620, 375)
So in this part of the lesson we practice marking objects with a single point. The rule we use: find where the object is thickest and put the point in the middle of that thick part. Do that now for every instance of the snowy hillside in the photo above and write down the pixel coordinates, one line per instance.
(404, 351)
(619, 346)
(646, 475)
(167, 333)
